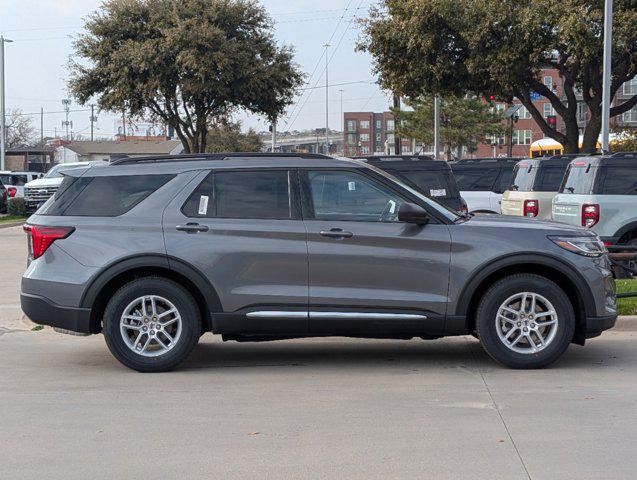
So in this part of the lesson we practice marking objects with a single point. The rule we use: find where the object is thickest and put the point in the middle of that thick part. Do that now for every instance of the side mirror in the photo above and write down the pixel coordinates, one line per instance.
(411, 213)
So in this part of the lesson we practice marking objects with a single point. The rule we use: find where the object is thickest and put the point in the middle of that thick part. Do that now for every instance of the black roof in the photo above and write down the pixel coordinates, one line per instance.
(395, 162)
(193, 157)
(484, 162)
(625, 155)
(561, 160)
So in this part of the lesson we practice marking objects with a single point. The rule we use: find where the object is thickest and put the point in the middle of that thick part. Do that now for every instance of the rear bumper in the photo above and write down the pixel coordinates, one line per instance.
(596, 325)
(44, 312)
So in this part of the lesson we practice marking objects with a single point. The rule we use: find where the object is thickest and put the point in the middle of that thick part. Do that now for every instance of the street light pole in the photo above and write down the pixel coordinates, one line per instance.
(436, 127)
(3, 133)
(327, 110)
(608, 49)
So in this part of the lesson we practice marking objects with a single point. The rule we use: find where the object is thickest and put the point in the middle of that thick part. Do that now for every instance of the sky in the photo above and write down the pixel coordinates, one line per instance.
(42, 31)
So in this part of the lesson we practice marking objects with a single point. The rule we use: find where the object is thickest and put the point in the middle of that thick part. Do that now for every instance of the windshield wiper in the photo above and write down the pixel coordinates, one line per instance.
(571, 189)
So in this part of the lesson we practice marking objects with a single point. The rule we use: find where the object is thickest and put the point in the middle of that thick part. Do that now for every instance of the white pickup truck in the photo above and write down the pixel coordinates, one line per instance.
(38, 191)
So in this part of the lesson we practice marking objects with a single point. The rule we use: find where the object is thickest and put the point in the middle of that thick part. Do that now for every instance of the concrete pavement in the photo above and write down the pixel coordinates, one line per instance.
(315, 409)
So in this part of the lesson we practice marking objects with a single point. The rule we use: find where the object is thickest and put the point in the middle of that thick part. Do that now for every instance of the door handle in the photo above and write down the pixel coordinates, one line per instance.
(191, 228)
(336, 233)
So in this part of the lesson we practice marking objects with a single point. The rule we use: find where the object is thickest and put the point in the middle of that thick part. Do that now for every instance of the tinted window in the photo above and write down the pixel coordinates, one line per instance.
(350, 196)
(523, 177)
(620, 180)
(549, 178)
(258, 195)
(476, 179)
(13, 180)
(579, 180)
(504, 180)
(103, 196)
(433, 183)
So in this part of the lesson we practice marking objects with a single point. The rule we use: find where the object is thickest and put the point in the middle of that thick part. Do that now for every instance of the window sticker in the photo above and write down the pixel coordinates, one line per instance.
(440, 192)
(203, 205)
(351, 186)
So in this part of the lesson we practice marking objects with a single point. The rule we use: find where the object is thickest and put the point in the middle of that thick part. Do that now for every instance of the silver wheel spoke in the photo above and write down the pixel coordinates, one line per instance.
(522, 334)
(141, 317)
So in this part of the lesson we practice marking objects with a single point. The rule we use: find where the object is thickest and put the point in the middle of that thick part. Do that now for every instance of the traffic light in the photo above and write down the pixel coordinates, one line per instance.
(551, 120)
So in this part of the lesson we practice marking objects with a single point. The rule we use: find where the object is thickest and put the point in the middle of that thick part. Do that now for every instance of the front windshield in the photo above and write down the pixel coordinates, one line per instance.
(56, 172)
(448, 213)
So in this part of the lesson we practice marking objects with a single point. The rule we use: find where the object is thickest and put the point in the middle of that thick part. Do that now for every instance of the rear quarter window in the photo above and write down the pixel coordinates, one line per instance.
(619, 180)
(103, 196)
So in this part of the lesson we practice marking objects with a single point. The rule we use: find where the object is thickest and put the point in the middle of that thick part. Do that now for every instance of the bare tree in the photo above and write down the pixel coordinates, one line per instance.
(20, 131)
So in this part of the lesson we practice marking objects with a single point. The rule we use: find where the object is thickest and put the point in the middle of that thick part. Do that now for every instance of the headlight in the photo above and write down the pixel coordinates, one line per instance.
(583, 245)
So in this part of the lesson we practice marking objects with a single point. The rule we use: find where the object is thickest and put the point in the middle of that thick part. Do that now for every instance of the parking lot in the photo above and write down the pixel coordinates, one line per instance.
(333, 408)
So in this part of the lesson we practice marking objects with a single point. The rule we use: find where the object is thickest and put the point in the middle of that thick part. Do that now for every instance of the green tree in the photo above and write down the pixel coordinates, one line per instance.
(625, 139)
(183, 62)
(464, 121)
(500, 48)
(226, 136)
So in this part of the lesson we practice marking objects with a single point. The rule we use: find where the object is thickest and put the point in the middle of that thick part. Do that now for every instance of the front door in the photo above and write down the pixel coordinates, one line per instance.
(368, 272)
(243, 231)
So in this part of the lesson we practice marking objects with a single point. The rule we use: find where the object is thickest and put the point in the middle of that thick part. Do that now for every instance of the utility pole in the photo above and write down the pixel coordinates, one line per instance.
(42, 126)
(66, 123)
(273, 127)
(437, 127)
(327, 108)
(341, 92)
(398, 143)
(93, 120)
(3, 125)
(608, 49)
(123, 125)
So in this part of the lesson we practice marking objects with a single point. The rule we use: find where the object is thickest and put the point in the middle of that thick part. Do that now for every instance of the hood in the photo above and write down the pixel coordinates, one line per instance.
(522, 223)
(44, 182)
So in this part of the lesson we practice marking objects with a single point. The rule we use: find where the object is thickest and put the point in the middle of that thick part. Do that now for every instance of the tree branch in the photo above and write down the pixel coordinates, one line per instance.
(624, 107)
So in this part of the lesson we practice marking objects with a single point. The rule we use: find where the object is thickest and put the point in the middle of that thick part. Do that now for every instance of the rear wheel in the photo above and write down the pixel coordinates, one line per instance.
(525, 321)
(151, 324)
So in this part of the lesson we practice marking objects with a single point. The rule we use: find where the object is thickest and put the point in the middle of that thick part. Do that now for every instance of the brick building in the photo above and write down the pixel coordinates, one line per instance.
(526, 131)
(369, 133)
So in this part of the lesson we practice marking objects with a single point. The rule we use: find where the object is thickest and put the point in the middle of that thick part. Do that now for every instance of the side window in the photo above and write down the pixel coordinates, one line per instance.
(620, 181)
(349, 196)
(476, 179)
(249, 194)
(103, 196)
(504, 180)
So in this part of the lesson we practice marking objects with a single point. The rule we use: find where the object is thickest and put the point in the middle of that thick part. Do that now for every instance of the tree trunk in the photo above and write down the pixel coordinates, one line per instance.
(572, 136)
(591, 134)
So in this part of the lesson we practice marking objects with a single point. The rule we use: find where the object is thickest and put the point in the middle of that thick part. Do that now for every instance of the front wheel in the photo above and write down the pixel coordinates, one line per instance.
(525, 321)
(151, 324)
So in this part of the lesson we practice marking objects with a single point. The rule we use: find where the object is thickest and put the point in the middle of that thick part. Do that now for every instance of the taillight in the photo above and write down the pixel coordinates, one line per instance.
(531, 208)
(590, 215)
(41, 238)
(11, 191)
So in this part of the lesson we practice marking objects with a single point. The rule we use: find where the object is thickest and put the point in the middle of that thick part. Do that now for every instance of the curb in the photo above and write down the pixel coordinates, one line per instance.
(12, 224)
(626, 324)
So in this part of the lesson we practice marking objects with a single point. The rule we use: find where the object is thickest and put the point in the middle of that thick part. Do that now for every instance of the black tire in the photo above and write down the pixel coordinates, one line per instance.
(183, 302)
(488, 310)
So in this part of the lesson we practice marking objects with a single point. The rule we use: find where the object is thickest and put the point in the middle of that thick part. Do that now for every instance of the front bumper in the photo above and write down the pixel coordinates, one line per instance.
(43, 311)
(596, 325)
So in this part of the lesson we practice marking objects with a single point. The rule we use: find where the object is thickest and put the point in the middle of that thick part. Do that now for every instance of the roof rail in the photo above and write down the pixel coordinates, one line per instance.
(201, 157)
(490, 159)
(624, 155)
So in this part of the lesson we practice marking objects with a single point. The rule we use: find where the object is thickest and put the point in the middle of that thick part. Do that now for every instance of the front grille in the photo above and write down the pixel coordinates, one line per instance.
(41, 194)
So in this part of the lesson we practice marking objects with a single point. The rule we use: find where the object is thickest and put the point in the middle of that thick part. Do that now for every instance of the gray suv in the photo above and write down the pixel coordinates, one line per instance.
(154, 252)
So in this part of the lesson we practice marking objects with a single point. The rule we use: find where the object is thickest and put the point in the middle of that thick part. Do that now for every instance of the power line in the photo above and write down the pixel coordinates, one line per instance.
(290, 124)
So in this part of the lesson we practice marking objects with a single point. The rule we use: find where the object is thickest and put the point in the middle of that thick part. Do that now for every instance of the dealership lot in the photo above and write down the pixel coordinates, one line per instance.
(308, 408)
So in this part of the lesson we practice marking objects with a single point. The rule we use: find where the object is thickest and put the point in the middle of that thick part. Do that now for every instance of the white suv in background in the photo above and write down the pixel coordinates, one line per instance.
(535, 183)
(482, 181)
(600, 193)
(38, 191)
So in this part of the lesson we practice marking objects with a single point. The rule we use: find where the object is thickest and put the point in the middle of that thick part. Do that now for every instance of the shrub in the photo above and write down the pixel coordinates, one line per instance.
(17, 207)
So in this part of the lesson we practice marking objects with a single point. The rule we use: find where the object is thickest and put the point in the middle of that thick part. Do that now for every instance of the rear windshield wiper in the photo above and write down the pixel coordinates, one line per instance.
(570, 189)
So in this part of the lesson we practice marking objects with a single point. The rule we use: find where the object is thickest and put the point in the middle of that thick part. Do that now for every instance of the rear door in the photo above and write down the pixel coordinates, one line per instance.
(576, 191)
(369, 273)
(243, 231)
